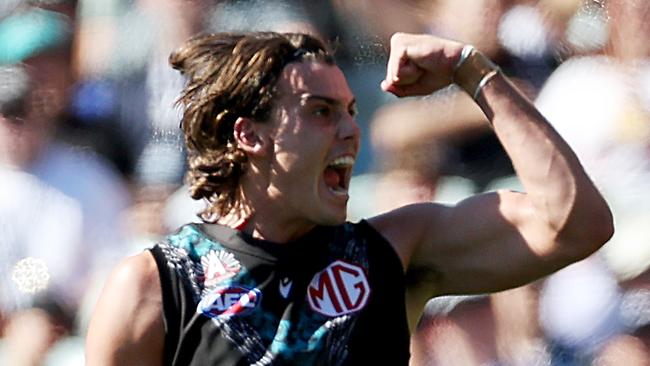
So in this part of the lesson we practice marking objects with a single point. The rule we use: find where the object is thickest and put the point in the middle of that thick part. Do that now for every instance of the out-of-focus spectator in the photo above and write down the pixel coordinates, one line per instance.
(599, 103)
(261, 15)
(624, 350)
(470, 21)
(41, 230)
(60, 205)
(125, 85)
(580, 311)
(32, 97)
(384, 17)
(499, 329)
(532, 37)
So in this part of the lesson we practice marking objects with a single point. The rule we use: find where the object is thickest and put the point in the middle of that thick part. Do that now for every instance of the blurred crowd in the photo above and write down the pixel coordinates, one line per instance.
(92, 163)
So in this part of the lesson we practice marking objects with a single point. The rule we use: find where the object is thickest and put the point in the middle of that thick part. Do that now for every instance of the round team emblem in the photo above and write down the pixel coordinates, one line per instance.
(218, 266)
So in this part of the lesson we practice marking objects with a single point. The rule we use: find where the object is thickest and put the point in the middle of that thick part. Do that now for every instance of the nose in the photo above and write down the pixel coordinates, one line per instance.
(348, 128)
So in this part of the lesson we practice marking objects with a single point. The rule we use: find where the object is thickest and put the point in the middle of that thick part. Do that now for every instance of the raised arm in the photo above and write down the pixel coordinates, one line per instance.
(127, 325)
(498, 240)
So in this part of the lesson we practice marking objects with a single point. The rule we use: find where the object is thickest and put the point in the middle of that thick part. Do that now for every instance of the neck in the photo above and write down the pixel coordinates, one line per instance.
(268, 217)
(276, 232)
(267, 226)
(262, 217)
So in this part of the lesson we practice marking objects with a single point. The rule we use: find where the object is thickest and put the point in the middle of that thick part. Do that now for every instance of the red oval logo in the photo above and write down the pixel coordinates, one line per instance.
(339, 289)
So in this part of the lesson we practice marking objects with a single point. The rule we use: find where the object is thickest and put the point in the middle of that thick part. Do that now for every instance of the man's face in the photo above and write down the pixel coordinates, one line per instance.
(24, 135)
(313, 142)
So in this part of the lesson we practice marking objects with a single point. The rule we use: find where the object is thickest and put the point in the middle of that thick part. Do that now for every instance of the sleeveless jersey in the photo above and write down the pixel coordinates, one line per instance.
(333, 297)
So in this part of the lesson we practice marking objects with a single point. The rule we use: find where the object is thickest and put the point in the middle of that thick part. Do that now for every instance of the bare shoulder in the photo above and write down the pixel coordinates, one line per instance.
(127, 325)
(406, 227)
(139, 272)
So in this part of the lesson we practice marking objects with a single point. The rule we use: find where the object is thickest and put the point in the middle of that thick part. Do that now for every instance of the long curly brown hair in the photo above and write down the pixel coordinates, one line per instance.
(230, 75)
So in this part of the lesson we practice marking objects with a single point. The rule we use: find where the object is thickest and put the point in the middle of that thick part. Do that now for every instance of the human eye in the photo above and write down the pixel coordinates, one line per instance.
(322, 111)
(352, 110)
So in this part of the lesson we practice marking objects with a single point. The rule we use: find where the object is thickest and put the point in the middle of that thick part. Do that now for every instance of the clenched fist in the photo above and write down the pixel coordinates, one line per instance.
(420, 64)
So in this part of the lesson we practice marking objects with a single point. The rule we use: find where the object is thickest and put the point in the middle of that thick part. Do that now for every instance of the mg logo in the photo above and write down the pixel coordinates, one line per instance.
(339, 289)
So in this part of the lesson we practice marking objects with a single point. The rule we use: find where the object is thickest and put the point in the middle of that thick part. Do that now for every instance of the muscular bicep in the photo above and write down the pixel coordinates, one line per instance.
(127, 325)
(495, 242)
(486, 243)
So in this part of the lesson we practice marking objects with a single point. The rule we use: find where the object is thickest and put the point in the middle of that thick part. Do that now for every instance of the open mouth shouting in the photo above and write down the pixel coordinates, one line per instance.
(338, 173)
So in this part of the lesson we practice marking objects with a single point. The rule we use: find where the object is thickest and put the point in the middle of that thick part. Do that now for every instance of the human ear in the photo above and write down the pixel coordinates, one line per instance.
(248, 138)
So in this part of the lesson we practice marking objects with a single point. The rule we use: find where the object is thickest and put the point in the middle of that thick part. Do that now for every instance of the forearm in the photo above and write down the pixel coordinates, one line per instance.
(558, 187)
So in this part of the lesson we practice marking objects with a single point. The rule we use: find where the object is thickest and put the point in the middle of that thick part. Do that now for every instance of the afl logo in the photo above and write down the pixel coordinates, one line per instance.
(339, 289)
(226, 301)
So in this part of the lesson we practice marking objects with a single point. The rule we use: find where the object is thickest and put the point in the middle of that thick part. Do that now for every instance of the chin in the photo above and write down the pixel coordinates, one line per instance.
(333, 219)
(331, 211)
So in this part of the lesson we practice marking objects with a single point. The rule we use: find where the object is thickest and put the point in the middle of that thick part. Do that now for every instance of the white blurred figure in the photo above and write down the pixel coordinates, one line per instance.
(601, 106)
(580, 311)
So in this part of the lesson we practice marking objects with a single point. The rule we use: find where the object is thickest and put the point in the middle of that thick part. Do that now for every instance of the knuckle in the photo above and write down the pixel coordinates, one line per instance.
(397, 38)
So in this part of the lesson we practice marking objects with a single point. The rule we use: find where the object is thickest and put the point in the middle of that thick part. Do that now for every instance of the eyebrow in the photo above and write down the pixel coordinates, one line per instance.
(328, 100)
